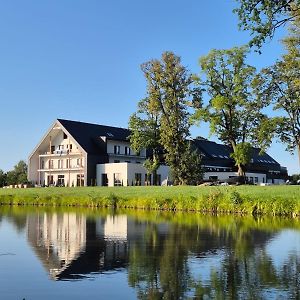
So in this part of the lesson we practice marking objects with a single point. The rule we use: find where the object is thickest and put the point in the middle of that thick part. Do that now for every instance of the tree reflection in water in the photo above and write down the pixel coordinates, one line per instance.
(167, 256)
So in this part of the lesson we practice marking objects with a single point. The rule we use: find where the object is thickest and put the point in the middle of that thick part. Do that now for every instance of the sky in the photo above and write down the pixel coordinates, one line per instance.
(80, 60)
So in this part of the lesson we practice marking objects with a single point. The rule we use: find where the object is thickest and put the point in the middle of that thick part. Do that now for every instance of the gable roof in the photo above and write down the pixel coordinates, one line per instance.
(88, 135)
(217, 152)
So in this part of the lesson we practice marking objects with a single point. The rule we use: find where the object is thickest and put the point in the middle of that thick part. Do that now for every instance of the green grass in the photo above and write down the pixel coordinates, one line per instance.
(273, 200)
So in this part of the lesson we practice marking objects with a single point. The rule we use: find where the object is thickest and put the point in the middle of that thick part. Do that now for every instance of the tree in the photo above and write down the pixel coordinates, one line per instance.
(19, 174)
(280, 86)
(145, 133)
(190, 170)
(170, 91)
(263, 17)
(2, 178)
(233, 113)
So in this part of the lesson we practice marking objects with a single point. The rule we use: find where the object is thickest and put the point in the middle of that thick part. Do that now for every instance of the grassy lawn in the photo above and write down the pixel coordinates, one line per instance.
(244, 199)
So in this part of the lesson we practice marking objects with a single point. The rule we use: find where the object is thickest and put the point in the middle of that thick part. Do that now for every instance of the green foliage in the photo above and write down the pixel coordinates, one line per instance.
(242, 154)
(3, 178)
(233, 112)
(262, 17)
(162, 121)
(257, 200)
(280, 85)
(189, 170)
(18, 175)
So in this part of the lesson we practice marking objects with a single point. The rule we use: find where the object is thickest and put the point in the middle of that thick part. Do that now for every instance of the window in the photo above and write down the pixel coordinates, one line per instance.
(69, 163)
(60, 147)
(137, 162)
(50, 164)
(50, 180)
(116, 149)
(65, 136)
(60, 164)
(116, 161)
(127, 151)
(128, 161)
(147, 179)
(52, 149)
(80, 180)
(256, 179)
(79, 162)
(213, 178)
(42, 164)
(158, 179)
(138, 178)
(104, 179)
(60, 180)
(70, 147)
(117, 179)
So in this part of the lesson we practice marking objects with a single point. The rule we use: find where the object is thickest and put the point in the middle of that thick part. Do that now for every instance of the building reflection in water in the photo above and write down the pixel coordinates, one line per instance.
(71, 246)
(221, 257)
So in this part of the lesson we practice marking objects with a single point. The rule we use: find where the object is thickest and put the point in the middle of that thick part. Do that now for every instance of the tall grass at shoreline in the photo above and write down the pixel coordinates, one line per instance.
(271, 200)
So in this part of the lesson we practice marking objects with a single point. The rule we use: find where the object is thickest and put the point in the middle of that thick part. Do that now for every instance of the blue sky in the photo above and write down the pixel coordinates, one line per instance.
(80, 60)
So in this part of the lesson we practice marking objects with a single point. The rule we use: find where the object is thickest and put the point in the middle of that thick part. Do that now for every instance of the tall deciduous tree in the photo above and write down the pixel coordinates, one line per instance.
(280, 85)
(145, 133)
(234, 115)
(263, 17)
(170, 91)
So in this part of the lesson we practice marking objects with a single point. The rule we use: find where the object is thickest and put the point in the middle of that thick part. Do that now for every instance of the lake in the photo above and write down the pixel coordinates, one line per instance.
(105, 254)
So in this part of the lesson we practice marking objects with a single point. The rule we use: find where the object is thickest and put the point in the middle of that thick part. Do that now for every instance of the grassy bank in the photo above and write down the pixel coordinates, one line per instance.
(273, 200)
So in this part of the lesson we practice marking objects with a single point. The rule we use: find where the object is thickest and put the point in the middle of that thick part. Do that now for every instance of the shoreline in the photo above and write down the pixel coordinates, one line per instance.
(243, 200)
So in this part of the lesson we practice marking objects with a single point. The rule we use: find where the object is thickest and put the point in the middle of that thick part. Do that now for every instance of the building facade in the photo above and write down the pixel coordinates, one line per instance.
(80, 154)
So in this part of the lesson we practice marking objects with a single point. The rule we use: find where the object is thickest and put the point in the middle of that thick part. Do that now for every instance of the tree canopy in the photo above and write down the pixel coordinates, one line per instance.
(162, 119)
(232, 111)
(280, 86)
(263, 17)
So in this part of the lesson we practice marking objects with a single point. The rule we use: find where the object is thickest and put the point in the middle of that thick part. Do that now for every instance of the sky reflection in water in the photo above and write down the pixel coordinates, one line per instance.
(146, 255)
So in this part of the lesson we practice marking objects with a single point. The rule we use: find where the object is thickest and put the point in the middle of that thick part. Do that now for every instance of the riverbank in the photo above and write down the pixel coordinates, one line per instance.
(271, 200)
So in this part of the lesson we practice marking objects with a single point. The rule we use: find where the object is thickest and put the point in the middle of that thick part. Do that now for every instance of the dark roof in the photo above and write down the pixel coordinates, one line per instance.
(89, 135)
(215, 153)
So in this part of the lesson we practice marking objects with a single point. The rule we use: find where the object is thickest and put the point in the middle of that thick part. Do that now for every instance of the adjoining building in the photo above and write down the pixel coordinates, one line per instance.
(82, 154)
(218, 164)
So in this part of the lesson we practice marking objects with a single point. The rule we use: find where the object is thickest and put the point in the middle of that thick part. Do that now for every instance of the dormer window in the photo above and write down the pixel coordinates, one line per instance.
(116, 149)
(127, 150)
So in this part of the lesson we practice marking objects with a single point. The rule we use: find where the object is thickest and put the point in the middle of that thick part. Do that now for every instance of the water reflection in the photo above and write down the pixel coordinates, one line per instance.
(171, 256)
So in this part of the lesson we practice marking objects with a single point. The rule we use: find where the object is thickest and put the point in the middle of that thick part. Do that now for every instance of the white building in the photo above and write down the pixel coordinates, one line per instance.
(79, 154)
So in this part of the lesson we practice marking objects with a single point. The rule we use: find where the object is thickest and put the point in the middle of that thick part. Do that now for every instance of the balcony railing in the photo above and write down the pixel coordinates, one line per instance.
(54, 169)
(60, 153)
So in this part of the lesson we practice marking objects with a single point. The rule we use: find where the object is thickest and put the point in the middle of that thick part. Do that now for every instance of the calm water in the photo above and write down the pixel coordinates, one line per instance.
(89, 254)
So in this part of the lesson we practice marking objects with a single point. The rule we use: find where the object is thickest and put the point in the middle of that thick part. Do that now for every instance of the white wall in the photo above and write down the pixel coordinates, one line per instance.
(127, 172)
(39, 162)
(225, 175)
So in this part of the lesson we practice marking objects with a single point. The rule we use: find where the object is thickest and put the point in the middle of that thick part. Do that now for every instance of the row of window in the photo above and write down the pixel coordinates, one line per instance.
(210, 169)
(127, 161)
(118, 181)
(127, 150)
(67, 147)
(248, 179)
(61, 181)
(61, 163)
